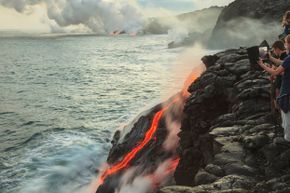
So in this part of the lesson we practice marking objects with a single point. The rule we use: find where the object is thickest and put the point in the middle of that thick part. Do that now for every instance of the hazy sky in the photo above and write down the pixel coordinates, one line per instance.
(36, 18)
(183, 5)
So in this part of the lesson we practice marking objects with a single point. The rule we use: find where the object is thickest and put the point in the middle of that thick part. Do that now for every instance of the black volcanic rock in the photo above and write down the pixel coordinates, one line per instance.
(262, 9)
(245, 22)
(151, 155)
(229, 140)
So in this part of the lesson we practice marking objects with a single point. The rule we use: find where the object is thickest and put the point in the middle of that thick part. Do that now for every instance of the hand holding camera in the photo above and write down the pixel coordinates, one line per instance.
(259, 54)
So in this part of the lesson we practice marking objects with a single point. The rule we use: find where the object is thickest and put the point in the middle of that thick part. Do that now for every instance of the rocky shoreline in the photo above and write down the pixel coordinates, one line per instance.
(230, 141)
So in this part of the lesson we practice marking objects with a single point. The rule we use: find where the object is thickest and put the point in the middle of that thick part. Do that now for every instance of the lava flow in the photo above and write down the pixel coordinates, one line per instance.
(125, 162)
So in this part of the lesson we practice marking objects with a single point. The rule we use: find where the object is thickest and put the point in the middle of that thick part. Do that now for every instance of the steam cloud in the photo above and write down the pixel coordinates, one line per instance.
(99, 16)
(244, 32)
(107, 16)
(146, 183)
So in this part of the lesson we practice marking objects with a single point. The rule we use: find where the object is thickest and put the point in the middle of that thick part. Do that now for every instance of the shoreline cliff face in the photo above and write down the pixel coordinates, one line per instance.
(229, 140)
(248, 22)
(241, 23)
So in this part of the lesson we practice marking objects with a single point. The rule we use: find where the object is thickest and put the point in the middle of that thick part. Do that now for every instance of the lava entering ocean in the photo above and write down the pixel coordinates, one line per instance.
(125, 161)
(148, 136)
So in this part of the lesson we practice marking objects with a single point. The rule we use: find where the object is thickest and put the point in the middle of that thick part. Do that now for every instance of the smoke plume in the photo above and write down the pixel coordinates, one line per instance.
(99, 16)
(244, 32)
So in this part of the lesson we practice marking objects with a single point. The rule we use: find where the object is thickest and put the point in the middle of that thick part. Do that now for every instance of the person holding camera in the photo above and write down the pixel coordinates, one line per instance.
(283, 99)
(279, 50)
(286, 23)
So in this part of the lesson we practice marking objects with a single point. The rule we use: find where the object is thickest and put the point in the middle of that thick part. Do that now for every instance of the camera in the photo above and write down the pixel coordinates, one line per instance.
(257, 52)
(263, 53)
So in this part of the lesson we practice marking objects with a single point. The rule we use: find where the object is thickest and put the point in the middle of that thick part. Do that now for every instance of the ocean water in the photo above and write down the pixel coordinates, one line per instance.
(62, 98)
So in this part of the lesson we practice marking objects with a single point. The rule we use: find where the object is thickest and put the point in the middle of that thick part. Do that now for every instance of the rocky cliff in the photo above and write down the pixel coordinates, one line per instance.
(245, 22)
(229, 140)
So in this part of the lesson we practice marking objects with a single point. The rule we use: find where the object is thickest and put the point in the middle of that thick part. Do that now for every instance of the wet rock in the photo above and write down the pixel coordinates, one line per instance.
(203, 177)
(280, 141)
(250, 83)
(263, 128)
(239, 169)
(251, 161)
(224, 120)
(258, 92)
(199, 189)
(233, 105)
(247, 107)
(240, 67)
(227, 184)
(222, 159)
(116, 137)
(228, 140)
(209, 60)
(231, 58)
(185, 176)
(234, 181)
(285, 157)
(255, 142)
(215, 170)
(225, 131)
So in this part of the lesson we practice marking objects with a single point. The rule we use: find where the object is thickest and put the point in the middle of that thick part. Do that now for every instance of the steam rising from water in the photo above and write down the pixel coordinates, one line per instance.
(99, 16)
(107, 16)
(147, 183)
(144, 181)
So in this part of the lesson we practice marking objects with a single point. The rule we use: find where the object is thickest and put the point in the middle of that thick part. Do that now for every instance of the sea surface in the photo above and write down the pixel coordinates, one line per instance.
(62, 98)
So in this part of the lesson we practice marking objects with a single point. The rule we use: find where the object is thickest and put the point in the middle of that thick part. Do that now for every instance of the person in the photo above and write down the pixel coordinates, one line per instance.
(280, 52)
(285, 86)
(286, 24)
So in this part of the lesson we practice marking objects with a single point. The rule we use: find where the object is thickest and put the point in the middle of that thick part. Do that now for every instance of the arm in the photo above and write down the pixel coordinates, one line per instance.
(275, 60)
(271, 70)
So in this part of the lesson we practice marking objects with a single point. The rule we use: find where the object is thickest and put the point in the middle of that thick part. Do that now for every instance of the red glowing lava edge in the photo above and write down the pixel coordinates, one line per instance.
(125, 161)
(149, 134)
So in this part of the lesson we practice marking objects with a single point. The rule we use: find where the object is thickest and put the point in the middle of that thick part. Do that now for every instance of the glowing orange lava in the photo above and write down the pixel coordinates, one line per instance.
(157, 178)
(190, 79)
(125, 161)
(172, 166)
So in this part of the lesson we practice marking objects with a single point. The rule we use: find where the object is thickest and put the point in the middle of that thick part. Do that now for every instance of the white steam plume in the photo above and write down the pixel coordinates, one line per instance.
(244, 32)
(99, 16)
(189, 65)
(148, 182)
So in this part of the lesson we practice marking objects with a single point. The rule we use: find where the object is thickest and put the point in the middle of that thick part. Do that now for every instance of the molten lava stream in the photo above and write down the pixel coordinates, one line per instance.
(125, 161)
